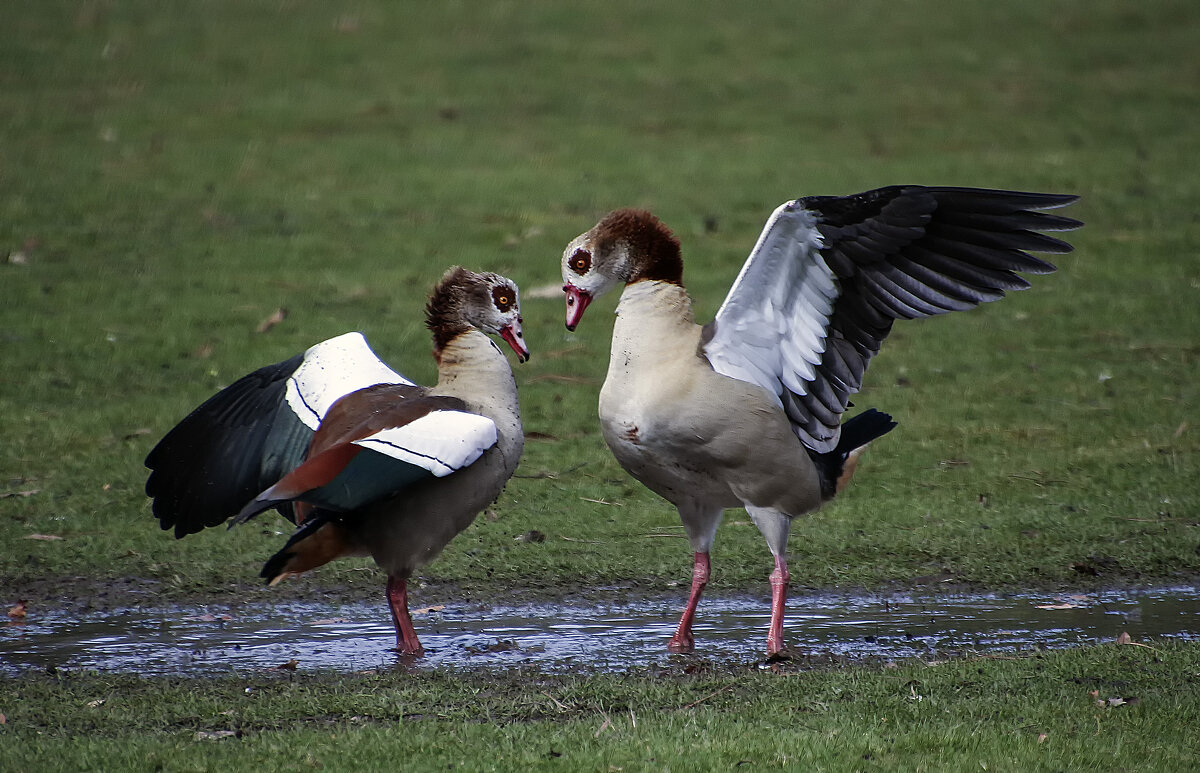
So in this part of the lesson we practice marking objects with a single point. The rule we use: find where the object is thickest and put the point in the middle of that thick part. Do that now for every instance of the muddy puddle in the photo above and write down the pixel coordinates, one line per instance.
(585, 638)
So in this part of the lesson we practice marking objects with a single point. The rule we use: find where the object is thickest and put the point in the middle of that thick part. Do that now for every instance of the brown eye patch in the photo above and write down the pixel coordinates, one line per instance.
(580, 262)
(504, 298)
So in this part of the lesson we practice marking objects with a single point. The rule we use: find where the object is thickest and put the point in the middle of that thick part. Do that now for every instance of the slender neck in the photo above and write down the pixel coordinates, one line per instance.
(472, 368)
(653, 319)
(656, 299)
(471, 358)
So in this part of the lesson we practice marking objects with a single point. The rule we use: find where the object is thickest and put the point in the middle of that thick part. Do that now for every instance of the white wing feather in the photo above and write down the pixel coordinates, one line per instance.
(332, 369)
(440, 441)
(771, 329)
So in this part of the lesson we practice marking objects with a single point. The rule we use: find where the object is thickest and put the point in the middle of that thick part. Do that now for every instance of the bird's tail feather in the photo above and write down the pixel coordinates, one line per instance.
(836, 467)
(319, 540)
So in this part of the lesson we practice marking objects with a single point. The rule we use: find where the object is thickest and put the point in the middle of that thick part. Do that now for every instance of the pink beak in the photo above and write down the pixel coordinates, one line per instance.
(577, 302)
(512, 334)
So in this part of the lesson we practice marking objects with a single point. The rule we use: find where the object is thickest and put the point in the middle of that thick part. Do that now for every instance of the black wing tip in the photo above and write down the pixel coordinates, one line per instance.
(852, 209)
(863, 428)
(1056, 223)
(170, 504)
(182, 527)
(1035, 199)
(1028, 201)
(1054, 201)
(210, 463)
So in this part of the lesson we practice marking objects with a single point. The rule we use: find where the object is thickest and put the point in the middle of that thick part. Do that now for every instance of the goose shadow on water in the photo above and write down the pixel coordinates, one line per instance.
(594, 637)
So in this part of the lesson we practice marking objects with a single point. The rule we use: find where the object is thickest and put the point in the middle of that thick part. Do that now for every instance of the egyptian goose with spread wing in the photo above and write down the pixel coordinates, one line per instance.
(746, 411)
(362, 460)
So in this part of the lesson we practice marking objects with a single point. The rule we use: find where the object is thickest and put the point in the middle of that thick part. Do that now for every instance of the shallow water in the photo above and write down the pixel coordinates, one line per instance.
(586, 637)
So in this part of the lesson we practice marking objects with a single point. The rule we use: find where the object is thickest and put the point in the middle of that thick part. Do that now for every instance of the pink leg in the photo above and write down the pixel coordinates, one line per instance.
(682, 640)
(406, 635)
(779, 586)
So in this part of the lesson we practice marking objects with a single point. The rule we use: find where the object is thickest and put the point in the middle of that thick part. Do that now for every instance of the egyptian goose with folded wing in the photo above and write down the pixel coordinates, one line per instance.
(362, 460)
(746, 411)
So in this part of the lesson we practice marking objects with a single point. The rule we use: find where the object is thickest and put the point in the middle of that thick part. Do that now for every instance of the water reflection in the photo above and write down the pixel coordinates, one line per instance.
(595, 637)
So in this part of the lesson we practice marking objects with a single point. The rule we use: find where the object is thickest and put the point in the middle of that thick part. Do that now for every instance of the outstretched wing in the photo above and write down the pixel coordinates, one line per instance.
(252, 433)
(830, 274)
(376, 442)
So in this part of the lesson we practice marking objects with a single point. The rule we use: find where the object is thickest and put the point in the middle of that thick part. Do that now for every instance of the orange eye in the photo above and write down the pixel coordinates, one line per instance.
(580, 262)
(503, 298)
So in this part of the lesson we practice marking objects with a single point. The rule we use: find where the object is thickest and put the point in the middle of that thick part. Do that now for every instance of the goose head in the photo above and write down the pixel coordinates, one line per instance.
(485, 301)
(626, 246)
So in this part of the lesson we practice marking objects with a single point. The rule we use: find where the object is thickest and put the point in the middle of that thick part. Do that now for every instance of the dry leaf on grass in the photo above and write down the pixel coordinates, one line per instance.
(279, 316)
(96, 703)
(44, 537)
(1125, 638)
(205, 735)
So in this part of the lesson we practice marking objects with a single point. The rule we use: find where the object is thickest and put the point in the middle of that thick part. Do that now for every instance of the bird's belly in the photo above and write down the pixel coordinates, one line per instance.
(647, 450)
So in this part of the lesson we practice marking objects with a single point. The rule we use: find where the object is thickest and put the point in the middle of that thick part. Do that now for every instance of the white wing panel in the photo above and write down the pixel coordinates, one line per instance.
(440, 441)
(332, 369)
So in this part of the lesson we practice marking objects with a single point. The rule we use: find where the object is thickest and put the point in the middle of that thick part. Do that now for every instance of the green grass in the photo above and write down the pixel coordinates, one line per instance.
(175, 174)
(171, 174)
(1030, 713)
